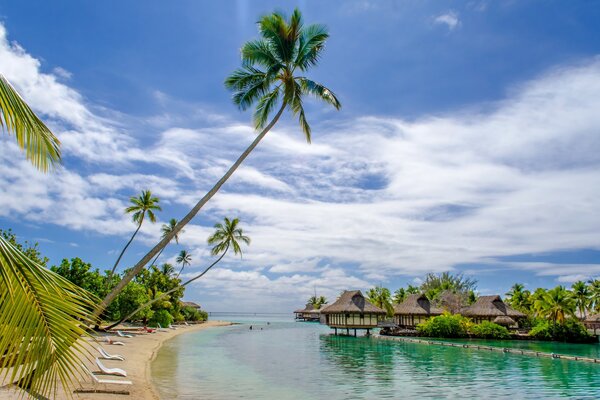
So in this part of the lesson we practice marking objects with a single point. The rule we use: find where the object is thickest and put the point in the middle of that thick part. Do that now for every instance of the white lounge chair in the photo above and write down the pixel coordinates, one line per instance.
(171, 327)
(121, 334)
(110, 371)
(185, 323)
(160, 328)
(110, 341)
(107, 356)
(105, 381)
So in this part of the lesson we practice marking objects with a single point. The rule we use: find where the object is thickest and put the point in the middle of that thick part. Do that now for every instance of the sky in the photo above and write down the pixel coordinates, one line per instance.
(468, 141)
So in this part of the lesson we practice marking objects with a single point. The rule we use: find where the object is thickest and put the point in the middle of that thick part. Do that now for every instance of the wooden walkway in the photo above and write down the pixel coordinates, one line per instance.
(490, 348)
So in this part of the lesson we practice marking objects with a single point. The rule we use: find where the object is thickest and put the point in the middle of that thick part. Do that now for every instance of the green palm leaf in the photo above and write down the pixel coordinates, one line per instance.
(41, 322)
(41, 147)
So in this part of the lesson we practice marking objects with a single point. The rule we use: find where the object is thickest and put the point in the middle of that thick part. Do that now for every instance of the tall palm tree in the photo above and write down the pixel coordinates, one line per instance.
(141, 205)
(184, 258)
(167, 270)
(382, 298)
(272, 74)
(594, 285)
(556, 304)
(226, 236)
(399, 295)
(581, 295)
(41, 313)
(167, 229)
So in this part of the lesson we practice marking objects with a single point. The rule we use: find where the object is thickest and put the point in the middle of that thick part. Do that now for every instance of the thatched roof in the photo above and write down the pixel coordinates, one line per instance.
(593, 318)
(450, 301)
(190, 304)
(308, 308)
(352, 301)
(416, 304)
(504, 320)
(490, 306)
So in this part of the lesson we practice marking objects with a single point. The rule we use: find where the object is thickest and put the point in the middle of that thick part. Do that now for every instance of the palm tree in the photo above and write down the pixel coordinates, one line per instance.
(518, 297)
(37, 304)
(382, 298)
(167, 229)
(581, 295)
(399, 296)
(141, 205)
(317, 302)
(556, 304)
(184, 258)
(594, 285)
(226, 236)
(167, 270)
(272, 73)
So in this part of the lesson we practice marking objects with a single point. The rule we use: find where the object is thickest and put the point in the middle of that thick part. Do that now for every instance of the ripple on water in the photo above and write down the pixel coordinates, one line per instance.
(287, 360)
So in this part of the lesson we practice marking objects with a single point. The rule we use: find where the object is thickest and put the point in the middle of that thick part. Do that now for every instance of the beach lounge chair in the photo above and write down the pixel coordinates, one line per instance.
(160, 328)
(110, 371)
(121, 334)
(171, 327)
(185, 323)
(97, 380)
(107, 356)
(110, 341)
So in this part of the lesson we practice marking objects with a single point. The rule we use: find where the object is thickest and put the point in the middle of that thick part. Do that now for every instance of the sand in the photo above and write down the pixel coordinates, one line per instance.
(139, 351)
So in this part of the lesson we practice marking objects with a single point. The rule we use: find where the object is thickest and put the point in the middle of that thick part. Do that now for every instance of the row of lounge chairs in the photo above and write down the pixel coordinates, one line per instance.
(116, 357)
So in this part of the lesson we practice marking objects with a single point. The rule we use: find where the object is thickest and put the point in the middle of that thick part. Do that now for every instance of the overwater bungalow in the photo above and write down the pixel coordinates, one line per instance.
(352, 311)
(493, 309)
(592, 323)
(416, 308)
(308, 313)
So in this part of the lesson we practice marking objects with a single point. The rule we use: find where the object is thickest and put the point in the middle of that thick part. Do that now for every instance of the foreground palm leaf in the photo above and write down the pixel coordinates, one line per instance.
(41, 147)
(272, 77)
(41, 321)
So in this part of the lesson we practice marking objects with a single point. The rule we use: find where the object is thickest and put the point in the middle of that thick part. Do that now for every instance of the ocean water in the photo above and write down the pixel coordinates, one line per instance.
(301, 360)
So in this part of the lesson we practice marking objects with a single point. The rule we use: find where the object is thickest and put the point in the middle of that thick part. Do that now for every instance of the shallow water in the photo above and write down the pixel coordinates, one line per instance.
(297, 360)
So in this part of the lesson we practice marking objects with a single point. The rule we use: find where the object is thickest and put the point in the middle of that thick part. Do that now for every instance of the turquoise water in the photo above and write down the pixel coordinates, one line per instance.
(296, 360)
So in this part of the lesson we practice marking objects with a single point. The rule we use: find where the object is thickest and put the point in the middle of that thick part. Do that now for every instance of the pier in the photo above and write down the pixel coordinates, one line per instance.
(530, 353)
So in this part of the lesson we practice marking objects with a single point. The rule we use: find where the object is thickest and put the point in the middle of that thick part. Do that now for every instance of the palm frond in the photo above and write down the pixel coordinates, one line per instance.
(245, 97)
(320, 92)
(241, 78)
(42, 317)
(274, 29)
(41, 147)
(310, 45)
(265, 105)
(259, 52)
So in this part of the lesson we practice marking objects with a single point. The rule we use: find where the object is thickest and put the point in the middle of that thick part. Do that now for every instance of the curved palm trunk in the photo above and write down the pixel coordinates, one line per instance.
(112, 271)
(185, 220)
(162, 296)
(181, 270)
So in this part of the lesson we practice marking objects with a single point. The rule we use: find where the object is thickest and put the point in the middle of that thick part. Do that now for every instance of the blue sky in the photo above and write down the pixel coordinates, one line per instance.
(468, 141)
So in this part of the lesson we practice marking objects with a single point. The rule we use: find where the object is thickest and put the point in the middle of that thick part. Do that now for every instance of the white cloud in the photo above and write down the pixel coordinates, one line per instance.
(450, 19)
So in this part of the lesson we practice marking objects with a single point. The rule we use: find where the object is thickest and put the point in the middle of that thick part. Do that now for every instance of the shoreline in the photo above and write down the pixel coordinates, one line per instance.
(154, 394)
(139, 353)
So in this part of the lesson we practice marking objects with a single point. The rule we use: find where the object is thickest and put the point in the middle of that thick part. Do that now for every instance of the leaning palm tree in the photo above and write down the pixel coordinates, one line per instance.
(594, 285)
(581, 295)
(166, 230)
(41, 313)
(272, 75)
(184, 258)
(226, 236)
(141, 205)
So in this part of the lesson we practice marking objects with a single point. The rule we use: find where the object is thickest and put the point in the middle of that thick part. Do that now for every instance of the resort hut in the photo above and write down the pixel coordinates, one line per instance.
(450, 302)
(352, 311)
(592, 322)
(489, 308)
(415, 309)
(191, 304)
(308, 313)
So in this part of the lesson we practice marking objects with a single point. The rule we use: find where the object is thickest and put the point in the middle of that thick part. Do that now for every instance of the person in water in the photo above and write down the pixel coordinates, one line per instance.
(250, 327)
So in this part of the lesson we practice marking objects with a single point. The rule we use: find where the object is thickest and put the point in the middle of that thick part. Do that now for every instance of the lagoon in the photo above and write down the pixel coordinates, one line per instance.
(296, 360)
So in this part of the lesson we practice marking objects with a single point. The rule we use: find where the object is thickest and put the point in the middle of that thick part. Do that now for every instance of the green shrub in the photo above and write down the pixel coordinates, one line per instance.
(162, 317)
(570, 330)
(193, 314)
(489, 330)
(445, 326)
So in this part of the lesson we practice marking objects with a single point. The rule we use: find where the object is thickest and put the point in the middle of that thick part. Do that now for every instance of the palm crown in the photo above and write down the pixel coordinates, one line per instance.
(272, 66)
(227, 235)
(142, 205)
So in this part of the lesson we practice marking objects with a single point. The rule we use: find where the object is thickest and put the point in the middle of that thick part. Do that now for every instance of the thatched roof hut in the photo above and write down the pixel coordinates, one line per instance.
(592, 322)
(416, 308)
(451, 302)
(417, 304)
(352, 311)
(308, 313)
(487, 308)
(191, 304)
